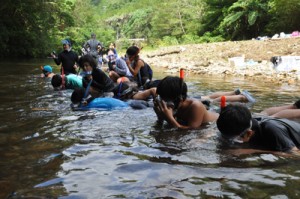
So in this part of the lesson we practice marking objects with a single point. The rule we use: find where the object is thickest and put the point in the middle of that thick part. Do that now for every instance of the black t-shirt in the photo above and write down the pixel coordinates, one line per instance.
(144, 73)
(275, 134)
(67, 59)
(100, 81)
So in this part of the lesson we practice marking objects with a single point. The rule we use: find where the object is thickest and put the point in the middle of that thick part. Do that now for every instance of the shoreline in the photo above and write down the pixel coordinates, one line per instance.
(249, 59)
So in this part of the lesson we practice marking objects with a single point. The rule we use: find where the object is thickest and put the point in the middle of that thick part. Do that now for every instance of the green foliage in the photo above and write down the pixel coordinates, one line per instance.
(244, 19)
(169, 40)
(285, 16)
(33, 28)
(27, 28)
(213, 16)
(209, 37)
(138, 24)
(190, 39)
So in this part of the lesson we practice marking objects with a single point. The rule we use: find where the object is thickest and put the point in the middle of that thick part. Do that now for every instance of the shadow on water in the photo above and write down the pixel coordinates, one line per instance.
(48, 150)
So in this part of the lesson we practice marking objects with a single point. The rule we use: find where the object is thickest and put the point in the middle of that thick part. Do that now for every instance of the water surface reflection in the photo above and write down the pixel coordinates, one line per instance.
(48, 150)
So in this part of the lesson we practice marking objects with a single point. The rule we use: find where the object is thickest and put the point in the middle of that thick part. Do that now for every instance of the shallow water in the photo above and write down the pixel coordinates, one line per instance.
(50, 151)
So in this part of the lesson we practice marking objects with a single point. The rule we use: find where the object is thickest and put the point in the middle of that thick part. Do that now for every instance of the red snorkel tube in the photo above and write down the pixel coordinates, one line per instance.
(63, 82)
(223, 102)
(181, 74)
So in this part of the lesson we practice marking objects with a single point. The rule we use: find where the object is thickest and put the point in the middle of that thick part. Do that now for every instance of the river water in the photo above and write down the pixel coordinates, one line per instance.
(49, 151)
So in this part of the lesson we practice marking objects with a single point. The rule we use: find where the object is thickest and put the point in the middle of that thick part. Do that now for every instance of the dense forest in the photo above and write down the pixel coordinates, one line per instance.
(34, 28)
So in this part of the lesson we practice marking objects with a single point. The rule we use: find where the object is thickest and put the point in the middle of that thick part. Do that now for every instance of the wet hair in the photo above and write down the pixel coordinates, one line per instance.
(77, 95)
(56, 81)
(87, 58)
(234, 119)
(172, 88)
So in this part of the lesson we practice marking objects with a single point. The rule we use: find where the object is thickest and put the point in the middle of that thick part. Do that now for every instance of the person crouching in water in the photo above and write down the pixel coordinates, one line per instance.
(117, 67)
(71, 81)
(173, 105)
(138, 68)
(94, 79)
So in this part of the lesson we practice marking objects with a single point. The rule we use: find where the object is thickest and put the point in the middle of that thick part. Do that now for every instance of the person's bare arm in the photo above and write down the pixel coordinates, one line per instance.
(145, 94)
(134, 71)
(166, 113)
(195, 113)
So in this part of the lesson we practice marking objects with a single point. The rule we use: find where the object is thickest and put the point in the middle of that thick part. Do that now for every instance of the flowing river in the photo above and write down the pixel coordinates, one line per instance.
(49, 151)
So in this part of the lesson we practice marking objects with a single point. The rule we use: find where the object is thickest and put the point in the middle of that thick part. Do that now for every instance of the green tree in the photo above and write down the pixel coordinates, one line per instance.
(138, 25)
(245, 19)
(27, 27)
(285, 16)
(213, 15)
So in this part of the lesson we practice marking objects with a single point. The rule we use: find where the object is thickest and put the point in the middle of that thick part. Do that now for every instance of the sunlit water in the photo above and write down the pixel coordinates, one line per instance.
(49, 151)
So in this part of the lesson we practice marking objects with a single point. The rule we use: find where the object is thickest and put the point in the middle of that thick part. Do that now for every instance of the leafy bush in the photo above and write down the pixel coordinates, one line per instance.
(169, 40)
(208, 38)
(189, 39)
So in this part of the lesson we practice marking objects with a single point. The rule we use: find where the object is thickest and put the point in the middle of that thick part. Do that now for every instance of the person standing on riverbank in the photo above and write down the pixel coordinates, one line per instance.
(67, 58)
(173, 106)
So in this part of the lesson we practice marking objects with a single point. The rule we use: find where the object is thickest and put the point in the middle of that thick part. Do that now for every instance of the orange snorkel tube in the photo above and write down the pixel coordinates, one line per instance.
(63, 82)
(223, 102)
(181, 76)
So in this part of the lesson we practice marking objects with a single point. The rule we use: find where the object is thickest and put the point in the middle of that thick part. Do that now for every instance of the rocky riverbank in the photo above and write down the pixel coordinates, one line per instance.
(250, 59)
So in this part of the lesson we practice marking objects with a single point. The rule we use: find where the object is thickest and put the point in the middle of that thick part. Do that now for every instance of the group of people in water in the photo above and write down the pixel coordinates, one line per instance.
(130, 77)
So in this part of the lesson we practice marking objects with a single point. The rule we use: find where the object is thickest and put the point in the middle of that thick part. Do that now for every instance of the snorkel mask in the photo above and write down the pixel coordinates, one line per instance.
(170, 103)
(86, 73)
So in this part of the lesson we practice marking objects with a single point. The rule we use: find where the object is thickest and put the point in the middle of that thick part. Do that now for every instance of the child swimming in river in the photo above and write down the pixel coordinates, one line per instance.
(173, 106)
(47, 71)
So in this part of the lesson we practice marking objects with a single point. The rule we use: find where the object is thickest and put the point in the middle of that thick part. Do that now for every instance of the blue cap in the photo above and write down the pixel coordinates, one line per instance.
(67, 42)
(47, 68)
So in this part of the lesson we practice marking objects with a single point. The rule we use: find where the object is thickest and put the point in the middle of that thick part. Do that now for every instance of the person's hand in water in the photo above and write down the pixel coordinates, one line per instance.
(157, 110)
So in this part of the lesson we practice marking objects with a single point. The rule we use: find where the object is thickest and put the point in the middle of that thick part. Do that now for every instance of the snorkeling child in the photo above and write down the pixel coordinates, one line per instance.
(47, 71)
(173, 106)
(70, 81)
(236, 124)
(122, 92)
